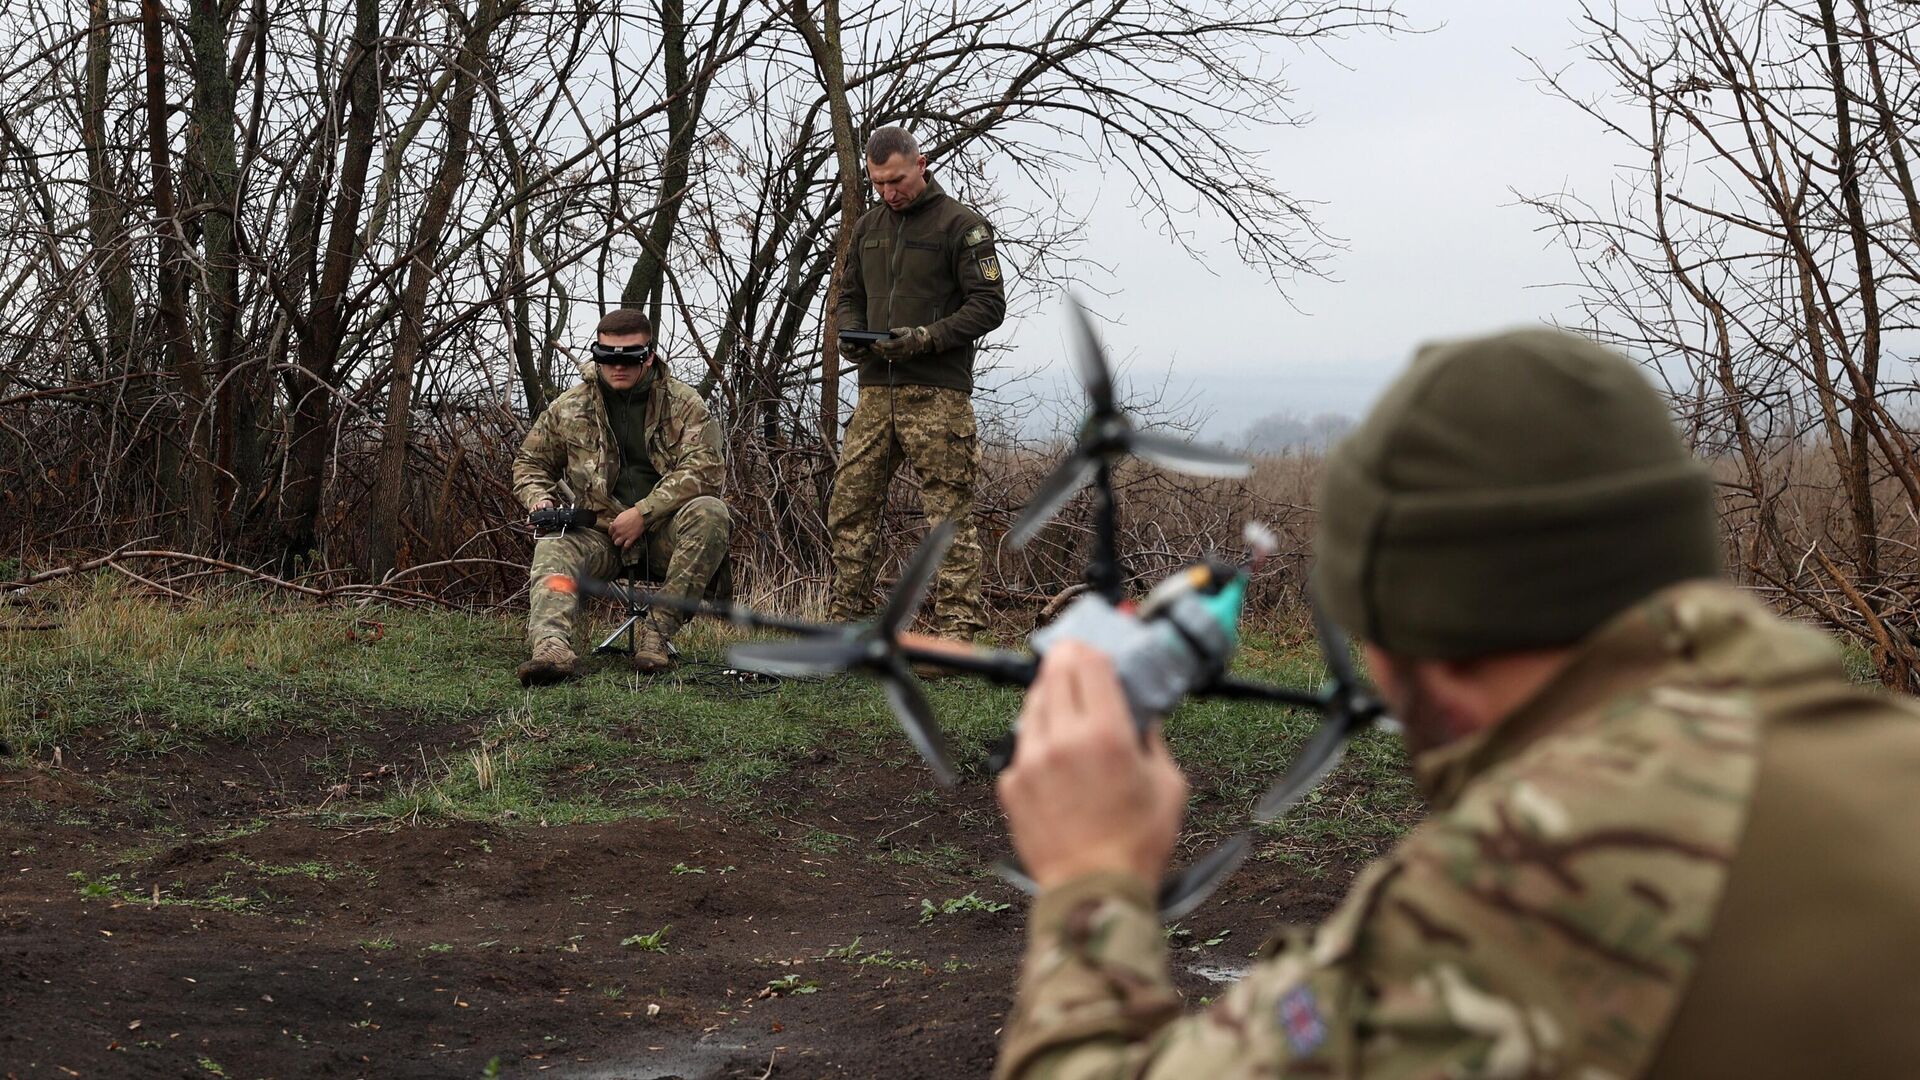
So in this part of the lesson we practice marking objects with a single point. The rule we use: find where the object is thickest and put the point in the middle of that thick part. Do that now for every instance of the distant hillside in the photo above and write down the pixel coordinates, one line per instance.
(1283, 432)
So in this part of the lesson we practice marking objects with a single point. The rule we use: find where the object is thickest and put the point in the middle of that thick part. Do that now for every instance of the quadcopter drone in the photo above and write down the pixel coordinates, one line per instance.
(1174, 644)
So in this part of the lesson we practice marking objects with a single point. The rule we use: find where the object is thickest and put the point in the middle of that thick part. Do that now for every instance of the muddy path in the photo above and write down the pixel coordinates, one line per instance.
(192, 916)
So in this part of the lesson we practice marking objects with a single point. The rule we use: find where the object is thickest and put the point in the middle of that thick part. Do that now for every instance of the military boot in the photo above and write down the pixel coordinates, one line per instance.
(553, 661)
(652, 650)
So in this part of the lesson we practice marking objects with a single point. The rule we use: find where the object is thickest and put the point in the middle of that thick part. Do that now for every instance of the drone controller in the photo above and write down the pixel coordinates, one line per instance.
(556, 520)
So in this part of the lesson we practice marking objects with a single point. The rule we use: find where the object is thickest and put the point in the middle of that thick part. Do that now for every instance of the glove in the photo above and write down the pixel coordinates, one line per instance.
(906, 341)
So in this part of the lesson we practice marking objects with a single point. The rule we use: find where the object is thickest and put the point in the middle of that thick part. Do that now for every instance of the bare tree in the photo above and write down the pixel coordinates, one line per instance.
(1761, 258)
(289, 279)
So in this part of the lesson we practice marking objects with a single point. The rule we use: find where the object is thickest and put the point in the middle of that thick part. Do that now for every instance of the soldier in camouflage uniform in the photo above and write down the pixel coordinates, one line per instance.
(922, 265)
(1669, 838)
(633, 444)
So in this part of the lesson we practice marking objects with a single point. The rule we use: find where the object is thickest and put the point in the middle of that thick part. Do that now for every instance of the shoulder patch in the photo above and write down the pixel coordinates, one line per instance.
(990, 267)
(1298, 1012)
(977, 235)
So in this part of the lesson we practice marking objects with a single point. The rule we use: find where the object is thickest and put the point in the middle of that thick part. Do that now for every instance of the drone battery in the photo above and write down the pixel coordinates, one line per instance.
(865, 337)
(1159, 660)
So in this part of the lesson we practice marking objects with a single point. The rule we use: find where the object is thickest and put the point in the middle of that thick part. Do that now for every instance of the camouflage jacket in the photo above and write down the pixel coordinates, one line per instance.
(932, 264)
(1597, 894)
(570, 454)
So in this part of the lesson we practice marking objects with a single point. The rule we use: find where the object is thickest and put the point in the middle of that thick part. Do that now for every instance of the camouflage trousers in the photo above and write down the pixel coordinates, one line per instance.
(688, 547)
(932, 429)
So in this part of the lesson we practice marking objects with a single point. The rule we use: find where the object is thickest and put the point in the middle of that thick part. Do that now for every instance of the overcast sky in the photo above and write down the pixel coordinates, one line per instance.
(1416, 147)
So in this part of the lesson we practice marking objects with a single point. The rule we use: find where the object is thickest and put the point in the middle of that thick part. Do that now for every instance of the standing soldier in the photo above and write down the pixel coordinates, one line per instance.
(923, 266)
(1669, 838)
(633, 444)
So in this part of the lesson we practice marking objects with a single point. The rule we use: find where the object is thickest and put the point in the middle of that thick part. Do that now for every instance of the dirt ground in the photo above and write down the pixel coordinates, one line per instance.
(281, 948)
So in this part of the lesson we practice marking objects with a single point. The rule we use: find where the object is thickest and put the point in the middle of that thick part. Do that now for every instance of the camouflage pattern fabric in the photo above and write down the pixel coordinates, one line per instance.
(932, 428)
(682, 552)
(570, 455)
(1544, 921)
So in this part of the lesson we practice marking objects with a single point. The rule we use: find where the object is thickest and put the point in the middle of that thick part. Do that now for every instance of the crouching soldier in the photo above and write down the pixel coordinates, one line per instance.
(634, 445)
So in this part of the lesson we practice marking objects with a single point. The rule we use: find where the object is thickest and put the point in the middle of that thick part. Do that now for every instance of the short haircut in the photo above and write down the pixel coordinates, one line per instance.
(888, 141)
(623, 321)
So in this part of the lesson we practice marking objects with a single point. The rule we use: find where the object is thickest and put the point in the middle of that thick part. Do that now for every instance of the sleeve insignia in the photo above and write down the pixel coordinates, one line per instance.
(990, 268)
(979, 234)
(1299, 1015)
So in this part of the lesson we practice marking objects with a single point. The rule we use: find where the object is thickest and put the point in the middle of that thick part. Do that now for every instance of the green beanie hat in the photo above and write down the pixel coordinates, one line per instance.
(1507, 493)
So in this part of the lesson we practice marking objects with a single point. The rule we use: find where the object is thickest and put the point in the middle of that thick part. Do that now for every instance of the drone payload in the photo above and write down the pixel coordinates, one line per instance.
(1175, 644)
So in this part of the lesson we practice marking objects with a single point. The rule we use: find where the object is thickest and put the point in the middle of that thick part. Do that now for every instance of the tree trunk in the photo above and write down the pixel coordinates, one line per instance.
(105, 222)
(319, 352)
(824, 44)
(646, 284)
(1859, 479)
(211, 162)
(390, 486)
(187, 474)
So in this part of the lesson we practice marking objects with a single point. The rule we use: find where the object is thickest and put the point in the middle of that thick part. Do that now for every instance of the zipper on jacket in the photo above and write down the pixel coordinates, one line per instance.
(893, 279)
(606, 432)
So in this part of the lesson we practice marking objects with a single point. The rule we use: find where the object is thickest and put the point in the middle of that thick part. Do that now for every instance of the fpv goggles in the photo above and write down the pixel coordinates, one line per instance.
(622, 355)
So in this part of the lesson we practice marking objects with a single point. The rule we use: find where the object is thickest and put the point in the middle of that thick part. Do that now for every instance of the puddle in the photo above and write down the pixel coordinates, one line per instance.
(701, 1059)
(1220, 973)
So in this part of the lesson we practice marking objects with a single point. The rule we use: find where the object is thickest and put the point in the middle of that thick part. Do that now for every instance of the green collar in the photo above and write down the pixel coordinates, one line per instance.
(931, 192)
(635, 394)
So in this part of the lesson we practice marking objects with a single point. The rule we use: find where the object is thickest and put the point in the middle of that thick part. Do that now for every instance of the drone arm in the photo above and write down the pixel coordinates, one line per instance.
(735, 614)
(994, 665)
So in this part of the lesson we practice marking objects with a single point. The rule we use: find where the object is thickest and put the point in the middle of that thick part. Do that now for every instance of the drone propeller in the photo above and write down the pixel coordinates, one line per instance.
(799, 659)
(875, 649)
(1107, 435)
(1183, 456)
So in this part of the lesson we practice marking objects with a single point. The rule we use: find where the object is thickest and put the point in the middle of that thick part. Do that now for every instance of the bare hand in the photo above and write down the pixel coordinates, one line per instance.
(543, 504)
(627, 527)
(1083, 794)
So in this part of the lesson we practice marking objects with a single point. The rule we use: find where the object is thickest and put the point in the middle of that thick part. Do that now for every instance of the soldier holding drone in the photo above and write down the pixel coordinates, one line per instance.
(1669, 837)
(631, 451)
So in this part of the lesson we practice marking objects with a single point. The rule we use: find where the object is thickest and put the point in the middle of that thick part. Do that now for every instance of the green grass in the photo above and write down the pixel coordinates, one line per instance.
(213, 898)
(959, 905)
(653, 942)
(791, 984)
(136, 679)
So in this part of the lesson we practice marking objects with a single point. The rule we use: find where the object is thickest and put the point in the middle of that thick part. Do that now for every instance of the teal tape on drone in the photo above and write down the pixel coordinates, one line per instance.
(1227, 604)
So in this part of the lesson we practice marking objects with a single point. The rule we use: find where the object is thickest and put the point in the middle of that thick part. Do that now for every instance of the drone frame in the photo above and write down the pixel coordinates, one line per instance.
(882, 648)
